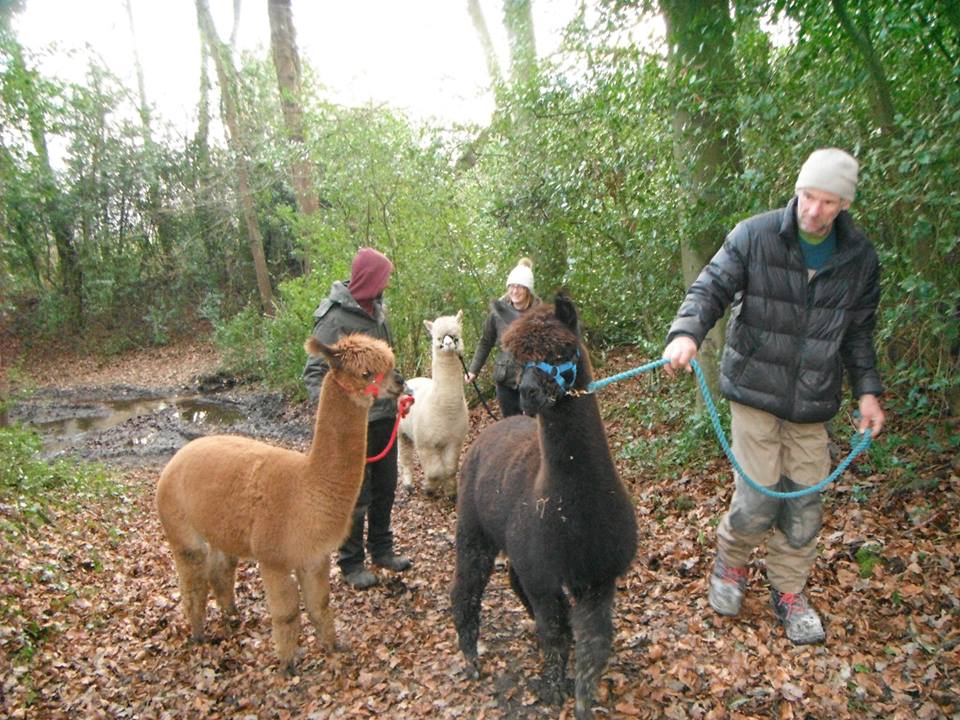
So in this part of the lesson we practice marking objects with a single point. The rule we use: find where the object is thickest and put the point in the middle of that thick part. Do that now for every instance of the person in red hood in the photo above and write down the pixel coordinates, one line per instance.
(357, 306)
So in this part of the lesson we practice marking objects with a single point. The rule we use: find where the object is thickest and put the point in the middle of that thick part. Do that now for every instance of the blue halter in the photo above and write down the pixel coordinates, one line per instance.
(557, 371)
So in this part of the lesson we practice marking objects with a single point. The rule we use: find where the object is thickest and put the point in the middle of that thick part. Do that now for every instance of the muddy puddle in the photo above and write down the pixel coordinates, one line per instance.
(59, 434)
(139, 426)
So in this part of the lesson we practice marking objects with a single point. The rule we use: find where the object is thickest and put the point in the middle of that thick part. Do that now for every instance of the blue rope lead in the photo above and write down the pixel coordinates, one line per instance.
(858, 447)
(597, 384)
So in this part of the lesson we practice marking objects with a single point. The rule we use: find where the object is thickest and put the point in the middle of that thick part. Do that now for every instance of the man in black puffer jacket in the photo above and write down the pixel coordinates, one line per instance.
(803, 283)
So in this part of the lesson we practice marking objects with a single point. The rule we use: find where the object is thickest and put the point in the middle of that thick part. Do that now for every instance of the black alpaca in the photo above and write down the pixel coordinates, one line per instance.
(546, 493)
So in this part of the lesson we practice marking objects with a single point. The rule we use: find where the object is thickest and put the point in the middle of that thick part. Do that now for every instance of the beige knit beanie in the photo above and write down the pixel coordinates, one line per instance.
(522, 274)
(832, 170)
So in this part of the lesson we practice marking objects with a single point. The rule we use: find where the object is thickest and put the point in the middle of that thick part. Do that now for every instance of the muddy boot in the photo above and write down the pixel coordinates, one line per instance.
(359, 578)
(392, 561)
(351, 555)
(727, 586)
(800, 621)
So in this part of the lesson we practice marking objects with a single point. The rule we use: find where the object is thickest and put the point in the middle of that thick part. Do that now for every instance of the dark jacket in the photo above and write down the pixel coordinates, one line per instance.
(788, 339)
(340, 315)
(502, 313)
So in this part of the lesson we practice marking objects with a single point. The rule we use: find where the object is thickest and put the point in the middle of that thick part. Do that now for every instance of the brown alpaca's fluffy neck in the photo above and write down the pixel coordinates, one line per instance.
(338, 452)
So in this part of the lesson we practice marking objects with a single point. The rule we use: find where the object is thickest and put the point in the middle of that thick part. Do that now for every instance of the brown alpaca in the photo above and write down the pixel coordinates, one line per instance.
(221, 498)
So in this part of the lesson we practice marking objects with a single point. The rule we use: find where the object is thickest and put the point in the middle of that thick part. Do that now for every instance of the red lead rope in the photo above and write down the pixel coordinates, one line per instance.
(403, 407)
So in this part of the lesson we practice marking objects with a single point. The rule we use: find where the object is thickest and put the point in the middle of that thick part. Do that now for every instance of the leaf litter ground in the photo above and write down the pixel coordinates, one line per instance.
(94, 592)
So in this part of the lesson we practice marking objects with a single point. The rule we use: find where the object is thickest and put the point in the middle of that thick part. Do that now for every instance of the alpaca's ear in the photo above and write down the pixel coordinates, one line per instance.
(429, 325)
(314, 348)
(566, 312)
(459, 315)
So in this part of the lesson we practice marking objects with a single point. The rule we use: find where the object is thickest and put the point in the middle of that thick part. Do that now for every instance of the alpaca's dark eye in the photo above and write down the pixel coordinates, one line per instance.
(367, 375)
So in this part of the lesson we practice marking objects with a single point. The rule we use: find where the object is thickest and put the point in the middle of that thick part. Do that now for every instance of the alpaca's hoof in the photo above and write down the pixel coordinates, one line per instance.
(330, 643)
(551, 693)
(583, 710)
(288, 669)
(472, 668)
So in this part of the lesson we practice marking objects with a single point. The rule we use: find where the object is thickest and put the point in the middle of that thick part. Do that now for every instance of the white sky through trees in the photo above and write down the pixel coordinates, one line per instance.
(421, 56)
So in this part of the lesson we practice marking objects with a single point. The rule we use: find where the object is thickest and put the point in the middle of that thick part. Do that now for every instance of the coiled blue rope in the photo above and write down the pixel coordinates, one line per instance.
(858, 445)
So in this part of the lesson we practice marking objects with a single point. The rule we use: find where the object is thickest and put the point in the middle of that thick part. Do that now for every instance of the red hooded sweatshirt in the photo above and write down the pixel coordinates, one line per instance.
(369, 275)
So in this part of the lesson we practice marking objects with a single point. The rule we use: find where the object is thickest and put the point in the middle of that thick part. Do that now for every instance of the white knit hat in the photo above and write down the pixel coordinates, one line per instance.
(522, 274)
(832, 170)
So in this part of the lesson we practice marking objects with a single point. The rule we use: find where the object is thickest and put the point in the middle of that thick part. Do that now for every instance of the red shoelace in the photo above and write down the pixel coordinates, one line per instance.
(793, 602)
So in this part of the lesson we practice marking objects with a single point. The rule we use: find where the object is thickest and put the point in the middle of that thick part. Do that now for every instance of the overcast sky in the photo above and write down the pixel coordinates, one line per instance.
(421, 56)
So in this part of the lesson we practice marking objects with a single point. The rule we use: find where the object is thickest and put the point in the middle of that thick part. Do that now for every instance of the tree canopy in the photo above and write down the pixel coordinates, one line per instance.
(617, 166)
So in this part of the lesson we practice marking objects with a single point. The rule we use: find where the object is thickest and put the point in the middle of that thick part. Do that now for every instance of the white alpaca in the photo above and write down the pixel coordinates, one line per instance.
(437, 424)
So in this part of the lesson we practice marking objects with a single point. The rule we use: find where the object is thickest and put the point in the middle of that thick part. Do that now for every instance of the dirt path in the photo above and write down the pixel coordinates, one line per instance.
(160, 367)
(96, 595)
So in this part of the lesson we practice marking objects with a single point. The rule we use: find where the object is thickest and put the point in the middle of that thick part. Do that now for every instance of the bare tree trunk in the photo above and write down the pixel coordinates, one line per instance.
(236, 25)
(700, 40)
(141, 86)
(202, 137)
(471, 152)
(286, 61)
(483, 33)
(226, 74)
(518, 19)
(201, 166)
(881, 86)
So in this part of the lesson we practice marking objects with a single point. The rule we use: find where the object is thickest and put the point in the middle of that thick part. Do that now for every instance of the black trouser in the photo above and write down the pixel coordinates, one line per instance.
(375, 502)
(509, 399)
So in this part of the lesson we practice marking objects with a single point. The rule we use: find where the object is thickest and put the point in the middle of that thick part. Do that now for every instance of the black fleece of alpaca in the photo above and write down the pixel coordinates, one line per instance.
(546, 493)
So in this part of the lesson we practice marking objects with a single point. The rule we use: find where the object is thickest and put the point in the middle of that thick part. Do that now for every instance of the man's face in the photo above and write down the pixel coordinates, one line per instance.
(817, 209)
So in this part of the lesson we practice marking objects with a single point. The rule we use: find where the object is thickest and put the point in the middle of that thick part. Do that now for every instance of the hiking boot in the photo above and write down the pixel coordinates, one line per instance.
(727, 585)
(359, 578)
(397, 563)
(799, 620)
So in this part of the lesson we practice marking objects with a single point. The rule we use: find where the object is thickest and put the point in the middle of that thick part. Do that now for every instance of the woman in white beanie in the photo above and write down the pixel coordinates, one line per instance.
(503, 311)
(803, 285)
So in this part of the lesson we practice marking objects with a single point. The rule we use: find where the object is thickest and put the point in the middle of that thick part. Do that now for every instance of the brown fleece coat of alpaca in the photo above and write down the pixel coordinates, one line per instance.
(223, 497)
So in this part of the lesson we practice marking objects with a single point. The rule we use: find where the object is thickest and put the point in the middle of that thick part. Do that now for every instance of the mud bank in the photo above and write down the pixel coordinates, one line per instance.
(139, 426)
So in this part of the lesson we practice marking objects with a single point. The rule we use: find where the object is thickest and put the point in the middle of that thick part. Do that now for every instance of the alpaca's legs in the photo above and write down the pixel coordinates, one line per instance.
(431, 463)
(552, 614)
(592, 619)
(518, 589)
(439, 463)
(451, 459)
(283, 599)
(405, 456)
(315, 585)
(221, 570)
(192, 574)
(475, 557)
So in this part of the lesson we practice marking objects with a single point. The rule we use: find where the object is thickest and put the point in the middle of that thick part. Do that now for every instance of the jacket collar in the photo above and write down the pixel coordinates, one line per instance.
(340, 294)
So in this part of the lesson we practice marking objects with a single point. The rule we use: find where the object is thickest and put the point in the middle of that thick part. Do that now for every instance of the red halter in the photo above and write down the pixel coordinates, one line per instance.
(403, 407)
(374, 387)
